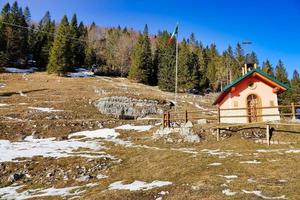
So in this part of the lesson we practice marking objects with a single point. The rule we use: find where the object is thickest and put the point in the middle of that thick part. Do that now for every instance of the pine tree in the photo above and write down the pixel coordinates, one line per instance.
(267, 68)
(27, 15)
(239, 54)
(60, 58)
(45, 38)
(281, 73)
(16, 38)
(82, 33)
(141, 67)
(75, 42)
(184, 81)
(295, 87)
(166, 62)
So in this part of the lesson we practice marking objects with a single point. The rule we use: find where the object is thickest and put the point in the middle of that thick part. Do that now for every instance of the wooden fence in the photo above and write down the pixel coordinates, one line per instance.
(214, 115)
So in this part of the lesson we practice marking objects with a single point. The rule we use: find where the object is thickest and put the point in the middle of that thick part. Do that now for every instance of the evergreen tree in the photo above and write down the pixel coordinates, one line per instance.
(295, 87)
(60, 58)
(16, 38)
(166, 62)
(75, 42)
(45, 37)
(27, 15)
(239, 54)
(183, 67)
(141, 68)
(267, 68)
(281, 73)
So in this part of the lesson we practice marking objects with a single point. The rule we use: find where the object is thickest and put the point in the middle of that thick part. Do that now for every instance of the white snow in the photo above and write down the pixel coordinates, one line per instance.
(40, 109)
(10, 193)
(2, 85)
(228, 192)
(250, 162)
(293, 151)
(259, 194)
(22, 94)
(3, 104)
(48, 147)
(229, 176)
(105, 133)
(136, 128)
(214, 164)
(81, 72)
(137, 185)
(16, 70)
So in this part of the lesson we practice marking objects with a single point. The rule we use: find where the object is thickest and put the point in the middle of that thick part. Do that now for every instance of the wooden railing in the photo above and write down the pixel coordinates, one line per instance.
(215, 114)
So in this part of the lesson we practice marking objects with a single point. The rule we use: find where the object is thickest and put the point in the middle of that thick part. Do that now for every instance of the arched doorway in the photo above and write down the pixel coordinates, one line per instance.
(253, 102)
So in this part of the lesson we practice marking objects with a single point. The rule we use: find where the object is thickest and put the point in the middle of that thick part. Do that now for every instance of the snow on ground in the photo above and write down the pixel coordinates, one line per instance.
(229, 176)
(137, 185)
(48, 147)
(228, 192)
(280, 151)
(2, 85)
(16, 70)
(186, 150)
(214, 164)
(259, 194)
(105, 133)
(3, 104)
(221, 154)
(136, 128)
(22, 94)
(81, 74)
(11, 192)
(250, 162)
(40, 109)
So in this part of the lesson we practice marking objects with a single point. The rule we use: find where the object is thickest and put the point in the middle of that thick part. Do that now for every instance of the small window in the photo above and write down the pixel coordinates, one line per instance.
(252, 85)
(271, 103)
(235, 104)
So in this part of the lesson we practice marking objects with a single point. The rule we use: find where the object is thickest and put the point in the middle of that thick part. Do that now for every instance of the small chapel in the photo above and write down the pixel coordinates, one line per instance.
(249, 96)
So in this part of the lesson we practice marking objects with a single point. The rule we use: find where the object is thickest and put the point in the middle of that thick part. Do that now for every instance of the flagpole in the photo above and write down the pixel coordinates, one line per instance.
(176, 69)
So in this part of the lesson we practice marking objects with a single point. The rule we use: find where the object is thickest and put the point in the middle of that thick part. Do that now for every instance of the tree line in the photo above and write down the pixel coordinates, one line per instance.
(61, 47)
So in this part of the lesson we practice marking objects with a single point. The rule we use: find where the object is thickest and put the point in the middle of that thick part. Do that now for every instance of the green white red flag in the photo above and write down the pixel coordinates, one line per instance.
(175, 32)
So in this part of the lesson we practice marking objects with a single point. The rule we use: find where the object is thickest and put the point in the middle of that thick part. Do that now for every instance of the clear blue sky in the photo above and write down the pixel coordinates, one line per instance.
(272, 26)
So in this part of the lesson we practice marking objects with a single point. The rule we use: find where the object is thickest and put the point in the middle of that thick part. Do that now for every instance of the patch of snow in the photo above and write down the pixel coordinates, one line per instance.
(228, 192)
(137, 185)
(214, 164)
(259, 194)
(81, 73)
(293, 151)
(11, 193)
(101, 176)
(13, 119)
(251, 180)
(268, 150)
(2, 85)
(45, 109)
(48, 147)
(229, 176)
(186, 150)
(251, 162)
(3, 104)
(159, 198)
(105, 133)
(136, 128)
(22, 94)
(16, 70)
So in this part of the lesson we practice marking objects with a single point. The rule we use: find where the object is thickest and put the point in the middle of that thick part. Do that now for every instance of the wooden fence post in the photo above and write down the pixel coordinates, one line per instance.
(164, 120)
(168, 120)
(293, 111)
(268, 134)
(186, 116)
(219, 115)
(218, 134)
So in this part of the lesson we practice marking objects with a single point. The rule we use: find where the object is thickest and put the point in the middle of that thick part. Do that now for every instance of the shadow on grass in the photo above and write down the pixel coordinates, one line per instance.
(8, 94)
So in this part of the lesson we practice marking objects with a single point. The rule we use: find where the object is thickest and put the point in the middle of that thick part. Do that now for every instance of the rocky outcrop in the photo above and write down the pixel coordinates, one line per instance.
(128, 108)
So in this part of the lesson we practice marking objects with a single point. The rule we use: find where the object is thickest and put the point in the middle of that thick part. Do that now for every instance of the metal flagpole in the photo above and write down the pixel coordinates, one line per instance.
(176, 70)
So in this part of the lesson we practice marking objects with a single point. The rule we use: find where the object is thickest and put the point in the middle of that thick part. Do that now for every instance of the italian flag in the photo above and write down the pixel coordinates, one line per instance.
(175, 32)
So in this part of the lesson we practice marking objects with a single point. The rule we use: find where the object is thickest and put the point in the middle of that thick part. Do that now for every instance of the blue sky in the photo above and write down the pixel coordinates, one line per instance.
(272, 26)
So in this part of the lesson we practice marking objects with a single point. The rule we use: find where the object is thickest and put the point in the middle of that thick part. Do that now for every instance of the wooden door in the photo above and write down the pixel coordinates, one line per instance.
(252, 104)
